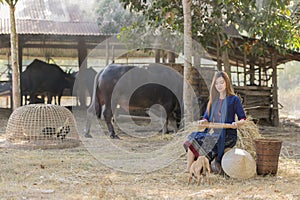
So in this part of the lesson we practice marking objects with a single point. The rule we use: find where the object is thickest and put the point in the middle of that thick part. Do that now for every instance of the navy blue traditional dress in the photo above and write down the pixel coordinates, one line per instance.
(212, 142)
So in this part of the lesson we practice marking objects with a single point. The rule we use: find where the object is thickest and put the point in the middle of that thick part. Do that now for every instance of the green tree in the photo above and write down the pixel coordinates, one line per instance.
(270, 23)
(16, 94)
(111, 16)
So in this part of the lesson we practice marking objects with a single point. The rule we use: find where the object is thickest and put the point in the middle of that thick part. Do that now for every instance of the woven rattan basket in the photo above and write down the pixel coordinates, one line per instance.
(267, 155)
(42, 126)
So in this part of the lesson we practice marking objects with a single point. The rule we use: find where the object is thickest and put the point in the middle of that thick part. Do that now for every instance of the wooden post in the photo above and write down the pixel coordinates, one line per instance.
(113, 54)
(259, 72)
(265, 73)
(157, 55)
(82, 54)
(163, 56)
(237, 73)
(275, 91)
(171, 57)
(107, 51)
(252, 74)
(82, 62)
(227, 67)
(245, 68)
(20, 57)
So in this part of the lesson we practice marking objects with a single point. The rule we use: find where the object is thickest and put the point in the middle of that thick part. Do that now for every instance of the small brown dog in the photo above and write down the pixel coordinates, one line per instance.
(198, 168)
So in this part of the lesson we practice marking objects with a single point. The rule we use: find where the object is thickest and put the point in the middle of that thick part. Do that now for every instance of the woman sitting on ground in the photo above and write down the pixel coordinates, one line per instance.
(223, 106)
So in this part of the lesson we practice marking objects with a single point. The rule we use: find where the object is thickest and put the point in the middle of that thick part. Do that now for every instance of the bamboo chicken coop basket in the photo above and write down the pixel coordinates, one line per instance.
(42, 126)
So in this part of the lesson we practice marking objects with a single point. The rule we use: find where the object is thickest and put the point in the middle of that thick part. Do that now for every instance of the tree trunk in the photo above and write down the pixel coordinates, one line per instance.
(219, 63)
(224, 55)
(14, 59)
(226, 63)
(187, 93)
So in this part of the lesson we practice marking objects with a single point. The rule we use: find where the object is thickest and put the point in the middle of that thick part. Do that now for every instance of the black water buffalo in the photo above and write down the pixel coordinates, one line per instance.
(84, 83)
(131, 87)
(41, 78)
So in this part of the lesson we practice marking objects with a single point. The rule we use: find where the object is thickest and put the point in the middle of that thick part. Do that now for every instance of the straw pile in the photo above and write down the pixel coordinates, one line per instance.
(246, 136)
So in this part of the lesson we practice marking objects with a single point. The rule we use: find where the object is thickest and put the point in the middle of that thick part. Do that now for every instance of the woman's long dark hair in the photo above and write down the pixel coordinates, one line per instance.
(213, 91)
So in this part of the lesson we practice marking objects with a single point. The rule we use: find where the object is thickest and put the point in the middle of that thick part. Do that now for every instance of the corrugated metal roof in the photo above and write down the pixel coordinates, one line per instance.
(27, 26)
(52, 17)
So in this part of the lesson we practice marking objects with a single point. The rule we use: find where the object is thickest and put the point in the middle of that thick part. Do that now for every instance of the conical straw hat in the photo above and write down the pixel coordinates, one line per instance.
(238, 163)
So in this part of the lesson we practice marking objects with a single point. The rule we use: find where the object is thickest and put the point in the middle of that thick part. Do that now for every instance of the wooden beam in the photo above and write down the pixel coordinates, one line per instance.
(58, 46)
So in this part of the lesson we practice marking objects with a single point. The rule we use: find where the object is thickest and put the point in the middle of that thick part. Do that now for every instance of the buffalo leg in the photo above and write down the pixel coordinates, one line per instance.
(108, 117)
(59, 99)
(32, 98)
(94, 108)
(49, 98)
(88, 125)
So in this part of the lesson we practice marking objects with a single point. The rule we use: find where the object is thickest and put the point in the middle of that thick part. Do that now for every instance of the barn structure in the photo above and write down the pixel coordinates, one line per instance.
(56, 28)
(51, 28)
(254, 77)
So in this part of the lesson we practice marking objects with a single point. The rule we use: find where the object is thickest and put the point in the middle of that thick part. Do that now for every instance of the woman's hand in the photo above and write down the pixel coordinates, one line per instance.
(202, 121)
(237, 124)
(234, 125)
(201, 124)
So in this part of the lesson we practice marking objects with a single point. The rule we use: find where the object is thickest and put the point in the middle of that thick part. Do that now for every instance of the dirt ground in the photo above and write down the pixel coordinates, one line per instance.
(78, 173)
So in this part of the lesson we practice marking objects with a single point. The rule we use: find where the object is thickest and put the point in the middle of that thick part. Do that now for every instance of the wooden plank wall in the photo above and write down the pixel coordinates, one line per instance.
(201, 78)
(257, 101)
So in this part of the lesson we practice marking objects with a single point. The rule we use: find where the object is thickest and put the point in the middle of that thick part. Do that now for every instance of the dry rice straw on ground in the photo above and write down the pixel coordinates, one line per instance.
(246, 136)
